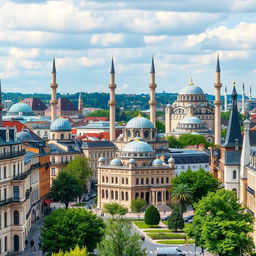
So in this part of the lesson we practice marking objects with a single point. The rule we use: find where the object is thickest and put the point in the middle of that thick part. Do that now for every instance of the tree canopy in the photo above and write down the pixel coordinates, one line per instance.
(221, 225)
(176, 220)
(152, 216)
(73, 252)
(200, 182)
(160, 126)
(120, 240)
(65, 228)
(66, 188)
(138, 205)
(114, 209)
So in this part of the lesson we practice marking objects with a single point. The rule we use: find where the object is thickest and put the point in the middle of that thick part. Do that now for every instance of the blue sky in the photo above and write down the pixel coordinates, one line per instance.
(183, 35)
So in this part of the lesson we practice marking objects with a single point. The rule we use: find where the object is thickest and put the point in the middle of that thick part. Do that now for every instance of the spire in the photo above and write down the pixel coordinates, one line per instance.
(243, 86)
(250, 94)
(233, 131)
(112, 70)
(53, 65)
(191, 81)
(152, 65)
(226, 89)
(218, 64)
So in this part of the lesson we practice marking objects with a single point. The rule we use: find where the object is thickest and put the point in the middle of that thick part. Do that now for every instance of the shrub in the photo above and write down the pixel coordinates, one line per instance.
(152, 216)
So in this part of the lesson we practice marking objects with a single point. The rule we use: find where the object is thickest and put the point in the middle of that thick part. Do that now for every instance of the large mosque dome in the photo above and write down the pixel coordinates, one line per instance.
(191, 88)
(61, 124)
(20, 109)
(140, 122)
(137, 146)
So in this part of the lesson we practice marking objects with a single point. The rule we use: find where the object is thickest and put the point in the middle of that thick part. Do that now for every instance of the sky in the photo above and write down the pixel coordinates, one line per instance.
(184, 36)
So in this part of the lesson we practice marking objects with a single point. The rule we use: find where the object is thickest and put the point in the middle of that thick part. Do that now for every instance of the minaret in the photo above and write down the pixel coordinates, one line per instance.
(245, 160)
(112, 102)
(80, 105)
(250, 94)
(1, 105)
(54, 86)
(226, 100)
(152, 88)
(217, 103)
(243, 101)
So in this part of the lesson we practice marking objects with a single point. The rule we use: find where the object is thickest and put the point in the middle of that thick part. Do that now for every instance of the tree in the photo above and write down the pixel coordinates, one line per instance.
(73, 252)
(152, 216)
(160, 126)
(191, 139)
(182, 195)
(120, 240)
(138, 205)
(222, 225)
(114, 209)
(79, 168)
(65, 228)
(173, 142)
(200, 182)
(99, 113)
(66, 188)
(176, 221)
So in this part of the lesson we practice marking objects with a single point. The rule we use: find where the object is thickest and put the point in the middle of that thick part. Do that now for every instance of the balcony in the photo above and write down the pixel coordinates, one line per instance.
(12, 154)
(250, 190)
(9, 201)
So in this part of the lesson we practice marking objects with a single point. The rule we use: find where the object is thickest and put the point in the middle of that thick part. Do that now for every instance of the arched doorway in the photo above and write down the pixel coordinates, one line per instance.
(147, 197)
(16, 244)
(159, 196)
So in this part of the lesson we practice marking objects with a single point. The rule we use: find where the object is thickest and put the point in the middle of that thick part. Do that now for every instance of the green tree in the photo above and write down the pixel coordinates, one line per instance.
(222, 225)
(182, 195)
(66, 188)
(176, 220)
(191, 139)
(99, 113)
(160, 126)
(73, 252)
(223, 132)
(138, 205)
(114, 209)
(80, 168)
(173, 142)
(65, 228)
(152, 216)
(120, 240)
(200, 182)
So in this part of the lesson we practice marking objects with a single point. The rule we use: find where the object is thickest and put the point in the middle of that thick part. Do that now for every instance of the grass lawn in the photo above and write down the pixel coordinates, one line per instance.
(165, 222)
(142, 224)
(79, 204)
(175, 242)
(159, 231)
(166, 236)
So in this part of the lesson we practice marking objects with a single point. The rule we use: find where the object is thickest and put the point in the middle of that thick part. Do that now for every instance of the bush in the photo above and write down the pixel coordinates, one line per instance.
(166, 236)
(152, 216)
(176, 221)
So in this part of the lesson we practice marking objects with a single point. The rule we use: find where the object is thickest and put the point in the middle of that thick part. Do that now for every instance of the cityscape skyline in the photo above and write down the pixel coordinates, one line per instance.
(84, 35)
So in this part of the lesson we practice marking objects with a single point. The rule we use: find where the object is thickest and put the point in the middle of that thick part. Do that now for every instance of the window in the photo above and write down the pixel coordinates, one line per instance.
(167, 179)
(146, 180)
(116, 180)
(136, 195)
(5, 244)
(122, 195)
(107, 194)
(142, 181)
(167, 195)
(112, 179)
(152, 180)
(137, 181)
(127, 182)
(112, 194)
(102, 193)
(5, 219)
(146, 134)
(107, 179)
(142, 195)
(116, 195)
(234, 174)
(126, 196)
(14, 170)
(16, 192)
(157, 180)
(162, 180)
(103, 179)
(53, 171)
(4, 172)
(62, 136)
(53, 159)
(159, 196)
(16, 218)
(122, 180)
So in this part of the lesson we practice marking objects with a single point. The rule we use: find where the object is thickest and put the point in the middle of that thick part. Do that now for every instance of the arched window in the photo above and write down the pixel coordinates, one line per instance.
(142, 181)
(16, 218)
(5, 219)
(116, 195)
(146, 134)
(146, 180)
(136, 195)
(122, 195)
(112, 194)
(62, 136)
(53, 136)
(103, 194)
(16, 243)
(167, 179)
(137, 134)
(152, 180)
(157, 180)
(107, 194)
(126, 196)
(162, 180)
(234, 174)
(137, 181)
(107, 179)
(142, 195)
(167, 195)
(103, 179)
(159, 196)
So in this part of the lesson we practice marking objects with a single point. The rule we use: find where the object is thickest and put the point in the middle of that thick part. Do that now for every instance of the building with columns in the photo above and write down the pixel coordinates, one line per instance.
(135, 173)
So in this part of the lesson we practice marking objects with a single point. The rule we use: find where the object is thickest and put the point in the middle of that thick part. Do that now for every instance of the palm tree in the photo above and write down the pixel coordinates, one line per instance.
(182, 195)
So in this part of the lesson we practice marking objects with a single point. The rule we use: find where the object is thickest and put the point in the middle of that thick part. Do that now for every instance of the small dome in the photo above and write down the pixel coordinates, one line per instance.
(20, 107)
(116, 162)
(171, 160)
(191, 120)
(60, 124)
(131, 161)
(140, 122)
(191, 89)
(101, 159)
(24, 136)
(157, 162)
(137, 146)
(168, 105)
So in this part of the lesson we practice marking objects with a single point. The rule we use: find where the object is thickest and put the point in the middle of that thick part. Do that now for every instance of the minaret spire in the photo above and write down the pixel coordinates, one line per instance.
(80, 104)
(53, 86)
(250, 94)
(226, 100)
(112, 102)
(243, 101)
(1, 105)
(217, 103)
(152, 88)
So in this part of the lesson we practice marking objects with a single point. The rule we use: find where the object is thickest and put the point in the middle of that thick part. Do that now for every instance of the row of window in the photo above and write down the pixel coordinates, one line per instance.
(16, 219)
(16, 170)
(63, 159)
(97, 155)
(16, 193)
(201, 117)
(144, 134)
(114, 195)
(5, 244)
(159, 196)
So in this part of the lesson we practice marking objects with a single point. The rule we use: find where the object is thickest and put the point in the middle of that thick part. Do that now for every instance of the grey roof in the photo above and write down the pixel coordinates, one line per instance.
(232, 157)
(72, 147)
(12, 140)
(28, 156)
(53, 66)
(98, 124)
(152, 65)
(233, 130)
(98, 144)
(218, 64)
(112, 70)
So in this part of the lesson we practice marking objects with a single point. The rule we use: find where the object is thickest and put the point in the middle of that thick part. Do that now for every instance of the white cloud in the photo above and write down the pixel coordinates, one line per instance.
(108, 39)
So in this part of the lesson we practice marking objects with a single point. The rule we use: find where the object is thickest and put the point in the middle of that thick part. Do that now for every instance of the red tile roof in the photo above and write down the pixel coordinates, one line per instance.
(19, 125)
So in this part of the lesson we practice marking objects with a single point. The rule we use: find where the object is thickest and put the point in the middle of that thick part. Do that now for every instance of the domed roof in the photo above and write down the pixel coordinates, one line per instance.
(116, 162)
(137, 146)
(20, 107)
(191, 120)
(157, 162)
(131, 161)
(139, 122)
(101, 159)
(191, 88)
(24, 136)
(60, 124)
(171, 160)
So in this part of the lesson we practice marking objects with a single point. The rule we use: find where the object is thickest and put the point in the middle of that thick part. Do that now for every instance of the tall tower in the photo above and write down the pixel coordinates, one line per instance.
(217, 103)
(226, 100)
(80, 105)
(1, 105)
(245, 160)
(250, 95)
(112, 102)
(54, 86)
(152, 88)
(243, 101)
